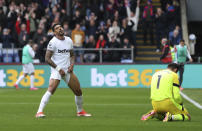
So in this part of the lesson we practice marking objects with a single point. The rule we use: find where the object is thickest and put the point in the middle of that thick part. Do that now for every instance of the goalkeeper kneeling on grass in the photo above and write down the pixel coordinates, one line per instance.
(165, 95)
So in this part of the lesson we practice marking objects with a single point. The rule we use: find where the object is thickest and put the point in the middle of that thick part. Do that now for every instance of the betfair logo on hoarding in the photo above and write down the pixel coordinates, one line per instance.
(121, 78)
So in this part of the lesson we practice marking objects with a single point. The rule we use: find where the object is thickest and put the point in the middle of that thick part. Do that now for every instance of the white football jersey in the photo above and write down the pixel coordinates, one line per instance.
(61, 52)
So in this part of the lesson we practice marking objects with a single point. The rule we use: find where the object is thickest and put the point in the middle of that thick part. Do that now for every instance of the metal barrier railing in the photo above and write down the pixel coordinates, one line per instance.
(8, 54)
(100, 50)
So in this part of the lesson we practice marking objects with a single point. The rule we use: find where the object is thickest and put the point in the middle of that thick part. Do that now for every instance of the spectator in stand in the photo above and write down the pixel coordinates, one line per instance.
(76, 5)
(39, 36)
(101, 30)
(176, 5)
(23, 36)
(33, 23)
(19, 22)
(92, 16)
(83, 26)
(175, 39)
(171, 16)
(90, 55)
(134, 17)
(6, 38)
(2, 5)
(43, 22)
(2, 18)
(38, 10)
(76, 18)
(147, 20)
(53, 3)
(112, 55)
(109, 10)
(45, 3)
(53, 13)
(50, 33)
(41, 40)
(126, 54)
(56, 18)
(101, 11)
(40, 53)
(108, 23)
(166, 56)
(101, 43)
(122, 10)
(160, 20)
(163, 4)
(126, 30)
(91, 28)
(11, 16)
(177, 27)
(63, 16)
(114, 31)
(67, 30)
(116, 16)
(21, 9)
(78, 37)
(122, 29)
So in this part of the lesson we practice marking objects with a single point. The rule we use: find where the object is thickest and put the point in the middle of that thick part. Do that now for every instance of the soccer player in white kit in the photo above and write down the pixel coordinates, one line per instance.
(28, 54)
(60, 57)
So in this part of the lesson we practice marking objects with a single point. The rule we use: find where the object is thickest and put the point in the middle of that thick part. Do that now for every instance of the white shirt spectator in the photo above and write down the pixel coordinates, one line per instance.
(135, 18)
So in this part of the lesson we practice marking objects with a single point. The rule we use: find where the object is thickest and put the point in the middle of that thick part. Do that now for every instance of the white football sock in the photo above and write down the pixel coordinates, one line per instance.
(19, 79)
(44, 101)
(32, 81)
(79, 103)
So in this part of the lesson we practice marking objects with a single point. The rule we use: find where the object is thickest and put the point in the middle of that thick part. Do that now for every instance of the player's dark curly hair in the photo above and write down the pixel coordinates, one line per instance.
(173, 66)
(53, 27)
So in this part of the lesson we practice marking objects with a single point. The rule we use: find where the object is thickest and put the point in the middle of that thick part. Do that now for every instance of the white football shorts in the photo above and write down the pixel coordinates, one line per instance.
(28, 68)
(56, 75)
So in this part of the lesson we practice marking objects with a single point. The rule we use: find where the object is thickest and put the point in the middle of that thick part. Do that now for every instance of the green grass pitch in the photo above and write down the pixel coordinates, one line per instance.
(116, 109)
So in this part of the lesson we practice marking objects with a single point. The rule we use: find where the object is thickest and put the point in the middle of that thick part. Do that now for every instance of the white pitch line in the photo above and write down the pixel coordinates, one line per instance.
(101, 104)
(191, 101)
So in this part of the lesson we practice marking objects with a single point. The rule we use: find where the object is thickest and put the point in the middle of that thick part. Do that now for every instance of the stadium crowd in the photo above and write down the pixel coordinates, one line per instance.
(103, 24)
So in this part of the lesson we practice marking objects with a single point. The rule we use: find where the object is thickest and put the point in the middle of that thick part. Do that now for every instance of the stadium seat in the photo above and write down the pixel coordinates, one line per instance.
(7, 55)
(16, 57)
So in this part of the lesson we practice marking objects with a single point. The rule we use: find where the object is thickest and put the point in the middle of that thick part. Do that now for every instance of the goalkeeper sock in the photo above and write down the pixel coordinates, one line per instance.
(19, 79)
(44, 101)
(79, 103)
(180, 117)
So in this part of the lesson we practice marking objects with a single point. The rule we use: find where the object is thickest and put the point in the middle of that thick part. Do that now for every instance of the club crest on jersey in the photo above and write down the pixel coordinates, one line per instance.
(63, 51)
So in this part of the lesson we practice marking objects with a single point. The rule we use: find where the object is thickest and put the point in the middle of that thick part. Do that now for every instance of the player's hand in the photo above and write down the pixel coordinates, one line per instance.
(62, 73)
(70, 68)
(191, 60)
(27, 16)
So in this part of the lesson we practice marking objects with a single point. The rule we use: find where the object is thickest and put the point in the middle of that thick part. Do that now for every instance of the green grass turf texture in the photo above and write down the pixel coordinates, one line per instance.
(116, 109)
